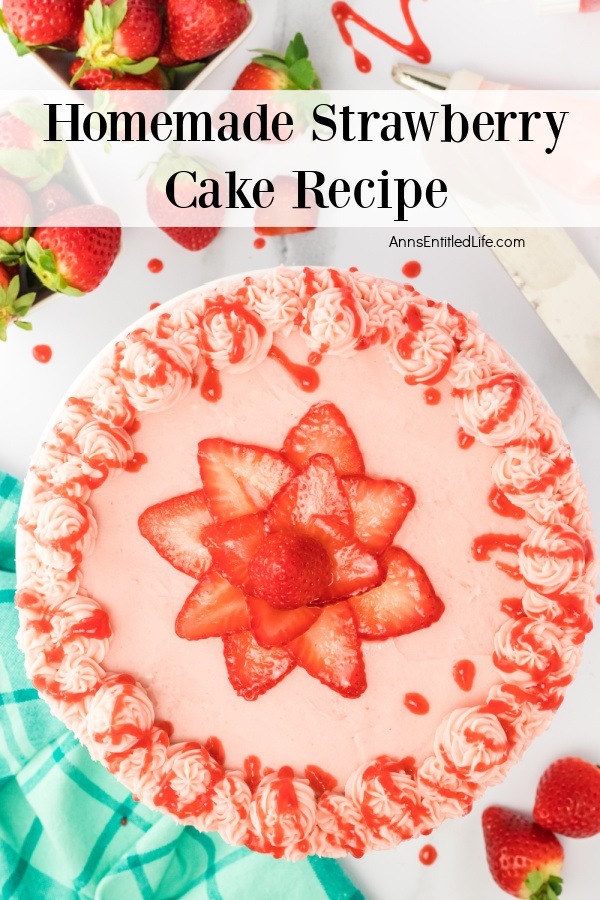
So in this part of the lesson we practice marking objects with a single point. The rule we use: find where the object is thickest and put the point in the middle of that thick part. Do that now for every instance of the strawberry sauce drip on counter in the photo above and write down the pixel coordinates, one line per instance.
(464, 674)
(42, 353)
(432, 396)
(417, 49)
(411, 269)
(155, 266)
(259, 243)
(320, 780)
(465, 440)
(215, 748)
(306, 378)
(211, 388)
(153, 306)
(427, 855)
(500, 503)
(417, 704)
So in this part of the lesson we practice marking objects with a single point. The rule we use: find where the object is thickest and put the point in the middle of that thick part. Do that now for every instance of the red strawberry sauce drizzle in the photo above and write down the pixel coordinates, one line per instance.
(238, 318)
(320, 780)
(259, 243)
(216, 750)
(464, 440)
(42, 353)
(417, 49)
(155, 265)
(211, 388)
(304, 377)
(383, 770)
(166, 362)
(427, 855)
(416, 703)
(552, 658)
(484, 546)
(432, 396)
(500, 503)
(413, 319)
(136, 462)
(513, 386)
(411, 269)
(463, 673)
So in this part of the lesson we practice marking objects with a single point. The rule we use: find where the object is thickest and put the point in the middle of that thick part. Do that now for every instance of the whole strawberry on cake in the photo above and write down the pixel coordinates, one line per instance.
(318, 608)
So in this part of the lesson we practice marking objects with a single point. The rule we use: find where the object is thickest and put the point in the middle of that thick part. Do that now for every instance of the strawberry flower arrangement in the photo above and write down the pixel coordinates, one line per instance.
(293, 555)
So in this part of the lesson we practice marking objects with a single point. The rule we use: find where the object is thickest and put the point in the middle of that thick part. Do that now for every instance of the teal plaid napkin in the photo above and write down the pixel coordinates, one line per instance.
(68, 830)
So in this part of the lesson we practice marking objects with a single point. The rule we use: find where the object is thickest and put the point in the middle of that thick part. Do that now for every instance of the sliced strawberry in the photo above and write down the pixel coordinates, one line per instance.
(213, 608)
(238, 479)
(354, 568)
(233, 544)
(330, 651)
(316, 491)
(275, 627)
(405, 602)
(324, 429)
(174, 528)
(379, 508)
(252, 669)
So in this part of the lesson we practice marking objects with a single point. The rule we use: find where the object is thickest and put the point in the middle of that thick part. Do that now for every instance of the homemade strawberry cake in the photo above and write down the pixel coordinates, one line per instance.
(320, 607)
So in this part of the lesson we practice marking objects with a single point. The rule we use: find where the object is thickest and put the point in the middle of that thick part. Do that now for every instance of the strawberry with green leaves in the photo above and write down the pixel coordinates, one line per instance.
(39, 23)
(525, 859)
(16, 212)
(13, 306)
(70, 256)
(200, 28)
(276, 72)
(122, 35)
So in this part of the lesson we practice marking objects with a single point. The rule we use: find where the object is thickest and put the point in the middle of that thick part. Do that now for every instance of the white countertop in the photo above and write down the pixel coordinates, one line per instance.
(506, 42)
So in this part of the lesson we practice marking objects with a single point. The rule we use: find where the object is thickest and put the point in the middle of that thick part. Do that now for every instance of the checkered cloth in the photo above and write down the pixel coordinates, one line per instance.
(68, 830)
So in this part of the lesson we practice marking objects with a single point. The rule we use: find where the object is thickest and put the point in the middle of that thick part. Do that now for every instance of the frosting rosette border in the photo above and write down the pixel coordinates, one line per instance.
(232, 324)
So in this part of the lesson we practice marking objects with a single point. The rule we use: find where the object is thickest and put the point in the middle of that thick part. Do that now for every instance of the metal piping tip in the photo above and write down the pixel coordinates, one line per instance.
(423, 80)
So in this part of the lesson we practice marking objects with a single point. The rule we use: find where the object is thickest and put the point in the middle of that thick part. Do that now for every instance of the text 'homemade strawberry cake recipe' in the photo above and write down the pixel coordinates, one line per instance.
(305, 560)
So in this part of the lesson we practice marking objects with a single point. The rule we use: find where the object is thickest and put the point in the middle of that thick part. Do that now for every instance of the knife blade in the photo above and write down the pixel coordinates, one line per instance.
(549, 270)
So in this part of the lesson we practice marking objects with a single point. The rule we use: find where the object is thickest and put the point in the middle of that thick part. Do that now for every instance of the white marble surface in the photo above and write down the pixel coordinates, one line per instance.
(507, 42)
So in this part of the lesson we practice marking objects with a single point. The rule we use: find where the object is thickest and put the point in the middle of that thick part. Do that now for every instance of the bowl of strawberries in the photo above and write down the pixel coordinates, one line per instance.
(128, 44)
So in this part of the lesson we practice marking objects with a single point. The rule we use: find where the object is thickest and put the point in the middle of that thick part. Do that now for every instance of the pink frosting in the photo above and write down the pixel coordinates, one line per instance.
(525, 658)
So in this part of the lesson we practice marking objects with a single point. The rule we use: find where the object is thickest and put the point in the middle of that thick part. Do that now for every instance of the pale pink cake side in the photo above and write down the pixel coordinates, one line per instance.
(95, 599)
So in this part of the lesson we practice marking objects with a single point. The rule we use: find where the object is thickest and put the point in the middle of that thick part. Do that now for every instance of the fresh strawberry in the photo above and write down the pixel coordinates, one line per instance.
(135, 83)
(525, 859)
(174, 528)
(275, 627)
(90, 78)
(53, 199)
(15, 211)
(252, 669)
(214, 608)
(282, 217)
(353, 568)
(289, 570)
(239, 479)
(405, 602)
(316, 491)
(568, 798)
(324, 429)
(191, 228)
(123, 35)
(4, 277)
(330, 651)
(166, 55)
(379, 507)
(13, 304)
(200, 28)
(232, 546)
(276, 72)
(35, 23)
(71, 257)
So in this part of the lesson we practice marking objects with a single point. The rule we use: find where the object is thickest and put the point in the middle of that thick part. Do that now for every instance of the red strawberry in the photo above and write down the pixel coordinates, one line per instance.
(525, 860)
(213, 608)
(289, 570)
(324, 429)
(53, 199)
(121, 34)
(174, 528)
(191, 228)
(316, 491)
(232, 546)
(379, 508)
(405, 602)
(200, 28)
(273, 72)
(239, 479)
(136, 83)
(275, 627)
(33, 23)
(15, 210)
(252, 669)
(282, 217)
(330, 651)
(70, 256)
(568, 798)
(4, 277)
(90, 78)
(353, 568)
(166, 55)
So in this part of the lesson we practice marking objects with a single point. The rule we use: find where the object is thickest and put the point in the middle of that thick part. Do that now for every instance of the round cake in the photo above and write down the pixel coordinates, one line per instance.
(305, 560)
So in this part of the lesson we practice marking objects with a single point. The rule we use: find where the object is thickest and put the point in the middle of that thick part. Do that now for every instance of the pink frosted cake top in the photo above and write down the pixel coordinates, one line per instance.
(321, 607)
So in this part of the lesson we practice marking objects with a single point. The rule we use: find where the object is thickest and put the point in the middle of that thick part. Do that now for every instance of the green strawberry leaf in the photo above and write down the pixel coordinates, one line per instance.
(296, 50)
(271, 62)
(23, 304)
(26, 326)
(137, 68)
(10, 254)
(303, 74)
(3, 334)
(117, 13)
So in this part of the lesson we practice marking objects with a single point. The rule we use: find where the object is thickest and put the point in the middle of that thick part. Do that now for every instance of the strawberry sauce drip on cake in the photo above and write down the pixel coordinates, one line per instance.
(417, 49)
